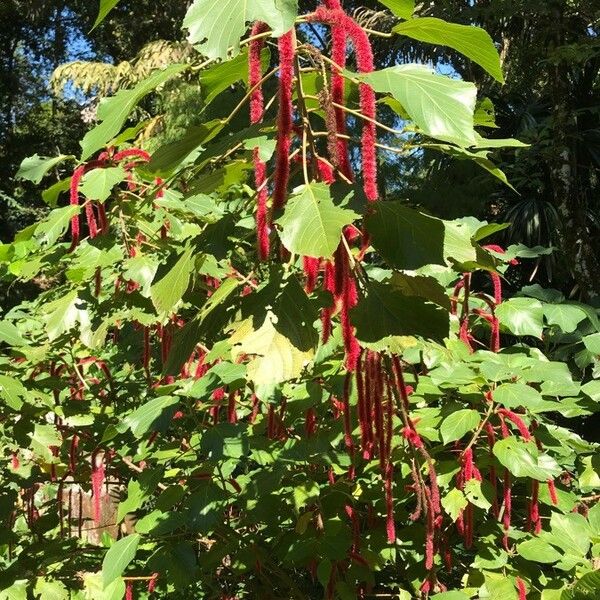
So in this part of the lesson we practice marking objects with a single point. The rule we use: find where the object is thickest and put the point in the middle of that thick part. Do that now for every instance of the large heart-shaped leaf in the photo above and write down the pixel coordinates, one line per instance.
(312, 224)
(522, 316)
(274, 358)
(442, 107)
(460, 422)
(522, 459)
(98, 183)
(218, 25)
(385, 311)
(408, 239)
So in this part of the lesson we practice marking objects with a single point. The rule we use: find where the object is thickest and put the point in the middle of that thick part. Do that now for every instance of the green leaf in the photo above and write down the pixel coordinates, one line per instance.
(513, 395)
(537, 550)
(565, 316)
(485, 114)
(266, 146)
(12, 392)
(589, 478)
(220, 77)
(522, 316)
(385, 311)
(443, 108)
(454, 502)
(105, 7)
(141, 420)
(406, 238)
(167, 292)
(475, 494)
(55, 224)
(47, 589)
(523, 460)
(61, 315)
(113, 112)
(35, 168)
(218, 25)
(571, 532)
(118, 557)
(401, 8)
(98, 183)
(424, 287)
(592, 389)
(592, 343)
(50, 195)
(141, 269)
(460, 422)
(16, 591)
(480, 158)
(10, 335)
(174, 154)
(275, 358)
(311, 224)
(454, 595)
(474, 42)
(587, 587)
(305, 494)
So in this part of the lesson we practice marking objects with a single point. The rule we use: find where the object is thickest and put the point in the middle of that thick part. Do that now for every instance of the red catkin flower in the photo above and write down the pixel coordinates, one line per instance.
(311, 271)
(131, 153)
(352, 347)
(287, 51)
(262, 210)
(326, 174)
(129, 591)
(511, 416)
(152, 583)
(310, 424)
(429, 532)
(522, 589)
(534, 520)
(338, 55)
(255, 72)
(97, 483)
(552, 491)
(74, 200)
(338, 19)
(327, 313)
(231, 410)
(256, 115)
(507, 506)
(389, 503)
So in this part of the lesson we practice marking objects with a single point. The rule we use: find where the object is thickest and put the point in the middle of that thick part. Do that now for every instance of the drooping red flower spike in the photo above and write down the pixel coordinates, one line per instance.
(97, 483)
(337, 19)
(285, 117)
(256, 116)
(522, 589)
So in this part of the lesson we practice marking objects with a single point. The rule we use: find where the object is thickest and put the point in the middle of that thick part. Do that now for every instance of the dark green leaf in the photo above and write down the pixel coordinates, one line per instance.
(385, 311)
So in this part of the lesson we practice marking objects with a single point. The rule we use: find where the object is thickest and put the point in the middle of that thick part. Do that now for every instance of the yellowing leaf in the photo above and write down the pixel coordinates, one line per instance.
(274, 358)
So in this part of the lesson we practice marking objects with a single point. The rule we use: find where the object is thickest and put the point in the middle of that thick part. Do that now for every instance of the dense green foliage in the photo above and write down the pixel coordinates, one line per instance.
(176, 420)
